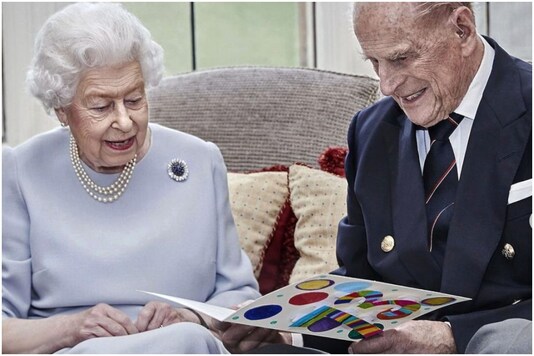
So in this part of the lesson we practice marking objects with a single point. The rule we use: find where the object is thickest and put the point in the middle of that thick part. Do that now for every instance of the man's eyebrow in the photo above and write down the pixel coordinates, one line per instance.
(393, 56)
(397, 54)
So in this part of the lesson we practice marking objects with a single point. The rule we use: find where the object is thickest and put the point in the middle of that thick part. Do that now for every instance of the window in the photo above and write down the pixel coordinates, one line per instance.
(247, 33)
(170, 26)
(205, 35)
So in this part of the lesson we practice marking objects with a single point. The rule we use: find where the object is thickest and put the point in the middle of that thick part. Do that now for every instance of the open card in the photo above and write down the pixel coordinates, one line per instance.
(331, 306)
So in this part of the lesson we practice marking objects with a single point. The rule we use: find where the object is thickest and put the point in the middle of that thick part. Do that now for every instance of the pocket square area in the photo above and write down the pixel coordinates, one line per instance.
(520, 191)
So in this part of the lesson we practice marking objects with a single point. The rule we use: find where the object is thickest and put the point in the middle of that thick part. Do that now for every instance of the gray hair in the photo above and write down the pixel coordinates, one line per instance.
(84, 36)
(431, 10)
(436, 8)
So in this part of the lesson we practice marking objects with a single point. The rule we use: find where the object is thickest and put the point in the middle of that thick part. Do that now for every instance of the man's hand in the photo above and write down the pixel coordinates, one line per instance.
(428, 337)
(157, 314)
(242, 338)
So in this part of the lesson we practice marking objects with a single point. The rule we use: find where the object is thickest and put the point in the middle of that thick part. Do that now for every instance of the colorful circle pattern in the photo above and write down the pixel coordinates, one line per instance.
(315, 284)
(349, 287)
(307, 298)
(437, 301)
(356, 334)
(263, 312)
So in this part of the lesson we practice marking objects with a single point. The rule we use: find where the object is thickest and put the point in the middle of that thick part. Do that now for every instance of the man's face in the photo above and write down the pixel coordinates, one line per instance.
(419, 62)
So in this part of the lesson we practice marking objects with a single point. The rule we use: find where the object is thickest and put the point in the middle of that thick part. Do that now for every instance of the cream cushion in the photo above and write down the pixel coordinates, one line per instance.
(256, 201)
(319, 202)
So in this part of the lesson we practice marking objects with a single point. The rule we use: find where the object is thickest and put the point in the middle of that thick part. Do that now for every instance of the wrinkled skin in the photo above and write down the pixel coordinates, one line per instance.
(424, 64)
(108, 117)
(103, 320)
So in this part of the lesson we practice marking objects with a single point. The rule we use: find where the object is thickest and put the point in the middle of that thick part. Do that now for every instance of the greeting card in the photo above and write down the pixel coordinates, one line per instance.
(331, 306)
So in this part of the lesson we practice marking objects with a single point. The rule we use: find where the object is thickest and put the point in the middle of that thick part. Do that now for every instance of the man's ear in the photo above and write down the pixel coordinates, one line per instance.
(463, 20)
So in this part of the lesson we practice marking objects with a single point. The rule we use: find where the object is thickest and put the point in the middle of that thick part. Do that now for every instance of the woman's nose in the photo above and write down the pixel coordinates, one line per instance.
(122, 119)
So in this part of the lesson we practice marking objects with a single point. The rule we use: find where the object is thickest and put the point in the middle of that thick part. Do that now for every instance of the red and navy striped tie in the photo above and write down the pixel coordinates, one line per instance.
(440, 178)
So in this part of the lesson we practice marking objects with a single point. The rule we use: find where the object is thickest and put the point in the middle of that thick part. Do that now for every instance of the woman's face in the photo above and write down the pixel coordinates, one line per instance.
(108, 116)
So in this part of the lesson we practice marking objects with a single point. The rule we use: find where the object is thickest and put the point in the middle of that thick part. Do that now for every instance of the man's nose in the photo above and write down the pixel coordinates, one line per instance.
(390, 79)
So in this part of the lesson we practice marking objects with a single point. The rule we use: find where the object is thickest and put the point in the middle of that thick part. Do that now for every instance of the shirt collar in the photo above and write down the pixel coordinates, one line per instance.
(469, 105)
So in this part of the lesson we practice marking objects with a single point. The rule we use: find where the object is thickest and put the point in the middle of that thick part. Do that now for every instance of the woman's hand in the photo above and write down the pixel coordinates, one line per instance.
(157, 314)
(239, 338)
(48, 335)
(100, 321)
(242, 338)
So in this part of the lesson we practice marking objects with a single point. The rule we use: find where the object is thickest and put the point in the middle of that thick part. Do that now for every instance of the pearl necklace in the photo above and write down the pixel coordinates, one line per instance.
(102, 194)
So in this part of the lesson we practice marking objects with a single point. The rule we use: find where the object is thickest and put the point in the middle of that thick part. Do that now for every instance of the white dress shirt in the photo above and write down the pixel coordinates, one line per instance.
(468, 108)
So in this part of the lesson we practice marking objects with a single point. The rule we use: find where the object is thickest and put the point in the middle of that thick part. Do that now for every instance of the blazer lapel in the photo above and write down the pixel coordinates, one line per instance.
(496, 144)
(409, 214)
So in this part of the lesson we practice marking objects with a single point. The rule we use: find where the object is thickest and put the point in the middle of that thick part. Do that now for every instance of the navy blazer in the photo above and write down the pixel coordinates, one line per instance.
(386, 197)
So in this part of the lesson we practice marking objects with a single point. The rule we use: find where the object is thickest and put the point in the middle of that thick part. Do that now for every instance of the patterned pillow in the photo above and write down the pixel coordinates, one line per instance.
(319, 201)
(256, 200)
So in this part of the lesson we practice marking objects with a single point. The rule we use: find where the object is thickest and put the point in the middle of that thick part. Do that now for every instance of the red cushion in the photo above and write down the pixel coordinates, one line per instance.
(332, 160)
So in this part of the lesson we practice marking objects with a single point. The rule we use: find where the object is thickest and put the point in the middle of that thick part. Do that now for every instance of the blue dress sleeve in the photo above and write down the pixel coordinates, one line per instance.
(235, 281)
(16, 255)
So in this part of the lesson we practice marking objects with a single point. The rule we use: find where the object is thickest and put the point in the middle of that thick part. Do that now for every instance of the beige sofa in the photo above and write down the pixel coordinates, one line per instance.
(272, 126)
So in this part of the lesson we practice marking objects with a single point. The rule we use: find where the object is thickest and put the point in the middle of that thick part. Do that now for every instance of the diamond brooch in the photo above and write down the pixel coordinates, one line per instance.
(177, 170)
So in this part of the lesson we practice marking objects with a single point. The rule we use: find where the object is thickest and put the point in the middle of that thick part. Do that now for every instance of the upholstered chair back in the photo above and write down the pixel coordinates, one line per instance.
(261, 116)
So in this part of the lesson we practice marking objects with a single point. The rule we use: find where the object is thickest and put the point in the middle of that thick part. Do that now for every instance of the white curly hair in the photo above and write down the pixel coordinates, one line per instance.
(83, 36)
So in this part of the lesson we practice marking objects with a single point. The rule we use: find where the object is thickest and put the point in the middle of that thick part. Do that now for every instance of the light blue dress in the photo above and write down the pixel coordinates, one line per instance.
(64, 252)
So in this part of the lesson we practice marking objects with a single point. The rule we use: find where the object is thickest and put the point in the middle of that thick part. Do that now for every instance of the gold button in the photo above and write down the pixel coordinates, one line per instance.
(387, 243)
(508, 251)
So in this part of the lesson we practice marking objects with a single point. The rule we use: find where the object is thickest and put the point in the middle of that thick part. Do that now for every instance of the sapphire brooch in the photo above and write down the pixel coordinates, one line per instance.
(177, 170)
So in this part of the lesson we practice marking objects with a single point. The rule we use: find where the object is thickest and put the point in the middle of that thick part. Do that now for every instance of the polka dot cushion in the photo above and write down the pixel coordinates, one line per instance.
(256, 201)
(319, 202)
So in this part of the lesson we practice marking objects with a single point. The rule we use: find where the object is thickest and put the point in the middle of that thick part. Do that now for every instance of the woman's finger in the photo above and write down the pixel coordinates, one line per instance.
(121, 322)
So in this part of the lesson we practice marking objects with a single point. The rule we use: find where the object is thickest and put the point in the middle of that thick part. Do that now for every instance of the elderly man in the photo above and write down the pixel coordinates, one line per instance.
(439, 176)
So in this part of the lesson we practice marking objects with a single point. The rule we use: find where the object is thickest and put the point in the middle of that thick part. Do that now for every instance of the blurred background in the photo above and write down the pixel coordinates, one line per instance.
(201, 35)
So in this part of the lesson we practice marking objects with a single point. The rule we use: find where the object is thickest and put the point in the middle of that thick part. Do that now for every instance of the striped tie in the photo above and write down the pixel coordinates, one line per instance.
(440, 178)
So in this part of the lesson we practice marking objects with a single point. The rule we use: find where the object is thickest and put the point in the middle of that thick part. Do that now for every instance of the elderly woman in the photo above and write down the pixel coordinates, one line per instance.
(108, 204)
